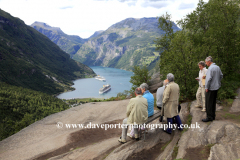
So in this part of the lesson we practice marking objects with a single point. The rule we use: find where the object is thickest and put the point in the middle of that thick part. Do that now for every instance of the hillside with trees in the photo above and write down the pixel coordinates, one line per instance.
(29, 59)
(20, 107)
(210, 30)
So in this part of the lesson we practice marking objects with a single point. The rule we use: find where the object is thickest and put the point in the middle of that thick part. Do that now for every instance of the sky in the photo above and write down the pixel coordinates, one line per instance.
(84, 17)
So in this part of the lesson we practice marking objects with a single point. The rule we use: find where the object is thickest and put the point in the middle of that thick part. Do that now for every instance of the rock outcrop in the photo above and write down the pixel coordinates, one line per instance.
(44, 137)
(153, 138)
(223, 135)
(236, 103)
(155, 83)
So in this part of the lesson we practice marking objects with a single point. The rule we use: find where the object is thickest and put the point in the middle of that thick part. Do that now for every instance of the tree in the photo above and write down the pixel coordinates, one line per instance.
(211, 30)
(181, 62)
(140, 76)
(215, 31)
(166, 25)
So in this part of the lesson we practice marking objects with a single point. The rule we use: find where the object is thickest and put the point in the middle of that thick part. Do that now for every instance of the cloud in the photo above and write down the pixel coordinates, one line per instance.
(84, 17)
(186, 6)
(131, 4)
(66, 7)
(127, 0)
(144, 0)
(155, 4)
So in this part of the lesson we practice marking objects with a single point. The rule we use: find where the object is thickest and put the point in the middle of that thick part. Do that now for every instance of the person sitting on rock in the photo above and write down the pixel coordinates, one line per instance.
(149, 97)
(150, 101)
(137, 113)
(170, 103)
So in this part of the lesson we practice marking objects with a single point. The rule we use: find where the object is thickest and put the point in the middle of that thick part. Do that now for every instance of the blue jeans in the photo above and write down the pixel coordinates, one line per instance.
(170, 122)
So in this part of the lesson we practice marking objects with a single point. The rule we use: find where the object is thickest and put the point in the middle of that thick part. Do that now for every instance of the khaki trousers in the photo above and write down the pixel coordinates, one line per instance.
(125, 128)
(201, 96)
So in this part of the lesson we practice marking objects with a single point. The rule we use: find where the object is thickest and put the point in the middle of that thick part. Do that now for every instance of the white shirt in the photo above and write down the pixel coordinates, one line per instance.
(202, 73)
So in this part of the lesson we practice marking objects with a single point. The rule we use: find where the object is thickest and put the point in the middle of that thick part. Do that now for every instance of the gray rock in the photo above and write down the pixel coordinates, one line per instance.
(155, 83)
(44, 136)
(131, 147)
(225, 135)
(152, 138)
(236, 103)
(89, 152)
(167, 153)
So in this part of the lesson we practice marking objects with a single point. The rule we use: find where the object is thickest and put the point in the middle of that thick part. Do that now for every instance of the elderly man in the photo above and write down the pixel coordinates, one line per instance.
(200, 95)
(150, 101)
(149, 97)
(159, 96)
(212, 84)
(170, 103)
(137, 113)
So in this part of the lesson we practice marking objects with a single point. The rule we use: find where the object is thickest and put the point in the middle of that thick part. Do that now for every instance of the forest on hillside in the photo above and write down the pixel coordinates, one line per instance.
(20, 107)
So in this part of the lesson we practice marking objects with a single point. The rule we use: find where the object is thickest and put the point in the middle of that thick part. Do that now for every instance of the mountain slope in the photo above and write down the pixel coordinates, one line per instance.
(123, 45)
(95, 34)
(29, 59)
(68, 43)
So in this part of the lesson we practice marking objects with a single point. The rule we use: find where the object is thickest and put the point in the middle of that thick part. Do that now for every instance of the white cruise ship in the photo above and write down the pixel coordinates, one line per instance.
(104, 89)
(100, 78)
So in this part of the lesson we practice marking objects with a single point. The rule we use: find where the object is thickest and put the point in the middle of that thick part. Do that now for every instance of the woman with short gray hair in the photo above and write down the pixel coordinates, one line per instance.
(200, 95)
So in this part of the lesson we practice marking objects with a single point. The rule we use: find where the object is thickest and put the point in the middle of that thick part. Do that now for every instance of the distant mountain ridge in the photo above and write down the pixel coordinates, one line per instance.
(29, 59)
(125, 44)
(68, 43)
(95, 34)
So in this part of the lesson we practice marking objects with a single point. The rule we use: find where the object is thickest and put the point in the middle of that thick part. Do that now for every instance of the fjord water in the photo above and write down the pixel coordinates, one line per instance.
(89, 87)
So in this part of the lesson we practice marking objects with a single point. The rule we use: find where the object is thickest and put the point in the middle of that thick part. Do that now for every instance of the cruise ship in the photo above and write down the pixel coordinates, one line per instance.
(104, 89)
(100, 78)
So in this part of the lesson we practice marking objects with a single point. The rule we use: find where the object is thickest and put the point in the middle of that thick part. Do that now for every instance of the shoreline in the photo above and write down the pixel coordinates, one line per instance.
(56, 95)
(99, 70)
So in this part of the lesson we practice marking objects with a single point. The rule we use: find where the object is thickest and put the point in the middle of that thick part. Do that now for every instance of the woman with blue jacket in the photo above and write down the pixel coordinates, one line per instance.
(150, 101)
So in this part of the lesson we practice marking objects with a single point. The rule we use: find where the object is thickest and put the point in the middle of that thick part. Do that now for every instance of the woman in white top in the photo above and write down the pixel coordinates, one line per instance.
(201, 89)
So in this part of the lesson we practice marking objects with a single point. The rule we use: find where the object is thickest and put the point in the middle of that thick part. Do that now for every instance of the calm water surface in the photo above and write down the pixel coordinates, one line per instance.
(89, 87)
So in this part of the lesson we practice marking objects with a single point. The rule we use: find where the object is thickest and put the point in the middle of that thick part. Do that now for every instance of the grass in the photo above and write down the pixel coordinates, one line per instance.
(162, 149)
(83, 100)
(231, 116)
(224, 113)
(108, 154)
(175, 151)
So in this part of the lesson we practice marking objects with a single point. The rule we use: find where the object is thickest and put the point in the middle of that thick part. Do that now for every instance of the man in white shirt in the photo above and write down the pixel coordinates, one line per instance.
(201, 89)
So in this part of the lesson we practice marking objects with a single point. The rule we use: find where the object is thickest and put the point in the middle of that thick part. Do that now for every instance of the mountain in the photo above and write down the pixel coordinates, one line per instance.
(123, 45)
(68, 43)
(95, 34)
(29, 59)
